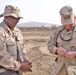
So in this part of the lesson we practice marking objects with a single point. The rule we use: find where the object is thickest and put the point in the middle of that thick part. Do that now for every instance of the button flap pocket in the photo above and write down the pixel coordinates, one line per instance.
(10, 43)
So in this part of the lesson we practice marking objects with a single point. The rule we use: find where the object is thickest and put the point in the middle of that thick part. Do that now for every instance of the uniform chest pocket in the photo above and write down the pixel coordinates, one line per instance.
(11, 47)
(73, 48)
(73, 45)
(10, 43)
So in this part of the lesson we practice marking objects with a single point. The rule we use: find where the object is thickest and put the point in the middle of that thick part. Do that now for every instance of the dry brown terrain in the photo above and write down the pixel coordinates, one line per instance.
(36, 45)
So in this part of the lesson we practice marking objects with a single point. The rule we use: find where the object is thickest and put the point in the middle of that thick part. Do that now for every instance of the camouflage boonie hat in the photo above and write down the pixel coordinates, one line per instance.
(67, 15)
(11, 11)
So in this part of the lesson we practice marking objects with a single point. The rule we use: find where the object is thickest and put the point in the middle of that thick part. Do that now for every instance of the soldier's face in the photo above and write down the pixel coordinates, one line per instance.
(69, 27)
(11, 21)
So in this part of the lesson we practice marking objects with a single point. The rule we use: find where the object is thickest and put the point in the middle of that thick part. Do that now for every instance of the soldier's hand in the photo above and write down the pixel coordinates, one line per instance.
(26, 66)
(61, 51)
(70, 55)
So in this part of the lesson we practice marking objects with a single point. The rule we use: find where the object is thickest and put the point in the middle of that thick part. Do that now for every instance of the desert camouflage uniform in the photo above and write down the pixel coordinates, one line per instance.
(12, 48)
(69, 66)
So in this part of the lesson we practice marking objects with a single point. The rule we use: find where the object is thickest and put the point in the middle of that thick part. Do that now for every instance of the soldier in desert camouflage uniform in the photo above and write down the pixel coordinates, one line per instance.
(63, 43)
(13, 56)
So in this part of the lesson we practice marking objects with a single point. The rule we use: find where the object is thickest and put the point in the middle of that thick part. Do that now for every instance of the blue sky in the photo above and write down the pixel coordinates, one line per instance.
(39, 10)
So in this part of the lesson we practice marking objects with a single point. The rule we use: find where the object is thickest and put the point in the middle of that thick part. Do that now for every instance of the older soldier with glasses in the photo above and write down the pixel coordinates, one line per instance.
(13, 56)
(63, 43)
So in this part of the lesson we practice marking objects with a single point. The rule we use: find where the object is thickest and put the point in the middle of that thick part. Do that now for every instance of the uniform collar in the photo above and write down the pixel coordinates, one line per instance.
(68, 32)
(6, 28)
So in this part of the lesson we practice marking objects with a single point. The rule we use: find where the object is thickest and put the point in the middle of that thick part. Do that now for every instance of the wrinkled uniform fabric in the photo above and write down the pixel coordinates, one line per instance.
(11, 44)
(68, 45)
(8, 72)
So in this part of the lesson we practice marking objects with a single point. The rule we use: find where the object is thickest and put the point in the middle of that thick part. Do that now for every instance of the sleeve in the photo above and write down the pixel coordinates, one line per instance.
(52, 43)
(7, 60)
(24, 53)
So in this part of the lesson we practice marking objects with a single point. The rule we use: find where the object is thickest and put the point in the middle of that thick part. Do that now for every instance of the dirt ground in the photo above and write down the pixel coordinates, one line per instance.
(36, 40)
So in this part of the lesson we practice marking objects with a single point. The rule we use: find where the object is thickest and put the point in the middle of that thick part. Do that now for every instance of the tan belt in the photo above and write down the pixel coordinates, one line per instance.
(2, 70)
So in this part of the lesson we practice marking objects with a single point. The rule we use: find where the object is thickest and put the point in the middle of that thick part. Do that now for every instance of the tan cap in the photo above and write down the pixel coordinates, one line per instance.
(67, 15)
(11, 11)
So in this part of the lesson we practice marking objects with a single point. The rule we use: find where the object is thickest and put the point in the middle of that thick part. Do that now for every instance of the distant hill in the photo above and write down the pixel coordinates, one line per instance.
(35, 24)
